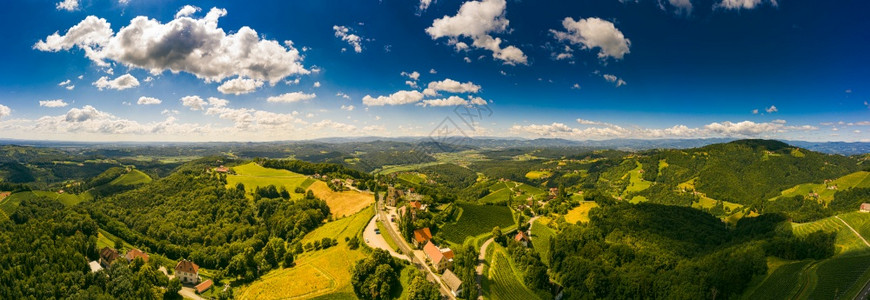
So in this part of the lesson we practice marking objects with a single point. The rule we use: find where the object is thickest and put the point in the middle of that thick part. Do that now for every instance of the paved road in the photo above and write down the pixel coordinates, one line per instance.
(375, 240)
(415, 260)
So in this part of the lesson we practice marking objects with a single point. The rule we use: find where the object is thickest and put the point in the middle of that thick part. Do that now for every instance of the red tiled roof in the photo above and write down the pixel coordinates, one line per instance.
(416, 204)
(433, 253)
(134, 253)
(204, 286)
(448, 254)
(521, 236)
(422, 235)
(108, 254)
(186, 266)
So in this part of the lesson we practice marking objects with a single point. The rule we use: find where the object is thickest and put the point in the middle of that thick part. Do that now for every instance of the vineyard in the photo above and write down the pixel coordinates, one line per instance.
(476, 220)
(502, 280)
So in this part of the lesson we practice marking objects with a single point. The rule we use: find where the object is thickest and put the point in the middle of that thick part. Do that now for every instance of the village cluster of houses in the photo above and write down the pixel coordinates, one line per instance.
(186, 271)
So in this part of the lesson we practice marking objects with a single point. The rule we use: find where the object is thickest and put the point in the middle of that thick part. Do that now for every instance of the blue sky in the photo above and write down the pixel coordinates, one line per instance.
(110, 70)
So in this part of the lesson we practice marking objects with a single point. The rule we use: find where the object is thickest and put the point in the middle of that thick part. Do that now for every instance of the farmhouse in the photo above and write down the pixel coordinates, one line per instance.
(204, 286)
(421, 236)
(187, 271)
(865, 207)
(95, 266)
(108, 256)
(134, 254)
(452, 282)
(441, 258)
(221, 169)
(417, 205)
(522, 237)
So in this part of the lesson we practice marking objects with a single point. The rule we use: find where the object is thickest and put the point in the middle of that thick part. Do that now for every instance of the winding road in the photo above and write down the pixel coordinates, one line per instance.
(481, 259)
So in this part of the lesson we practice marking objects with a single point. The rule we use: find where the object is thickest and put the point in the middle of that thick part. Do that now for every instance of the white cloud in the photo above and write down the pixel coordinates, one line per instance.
(317, 84)
(347, 107)
(329, 124)
(432, 71)
(65, 82)
(343, 32)
(613, 79)
(343, 95)
(681, 6)
(70, 87)
(450, 85)
(397, 98)
(413, 75)
(196, 46)
(477, 20)
(4, 111)
(412, 84)
(576, 86)
(867, 104)
(193, 102)
(771, 109)
(239, 86)
(291, 97)
(123, 2)
(592, 33)
(755, 111)
(424, 4)
(187, 11)
(599, 130)
(68, 5)
(743, 4)
(123, 82)
(53, 103)
(449, 101)
(148, 101)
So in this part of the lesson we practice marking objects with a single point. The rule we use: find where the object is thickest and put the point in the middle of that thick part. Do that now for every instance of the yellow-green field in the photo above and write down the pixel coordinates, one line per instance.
(635, 180)
(342, 203)
(534, 175)
(388, 238)
(860, 179)
(318, 273)
(541, 235)
(253, 175)
(580, 213)
(131, 178)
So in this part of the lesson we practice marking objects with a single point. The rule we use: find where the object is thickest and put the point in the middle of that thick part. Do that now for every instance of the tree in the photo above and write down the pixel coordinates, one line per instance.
(288, 259)
(497, 236)
(375, 276)
(174, 286)
(422, 289)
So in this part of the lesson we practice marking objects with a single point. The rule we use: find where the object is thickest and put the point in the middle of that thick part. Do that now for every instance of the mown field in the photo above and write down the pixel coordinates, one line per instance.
(502, 280)
(476, 220)
(858, 179)
(322, 273)
(341, 204)
(580, 213)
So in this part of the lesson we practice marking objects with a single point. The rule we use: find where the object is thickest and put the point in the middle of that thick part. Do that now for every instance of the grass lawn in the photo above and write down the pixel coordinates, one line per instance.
(476, 220)
(412, 178)
(503, 280)
(580, 213)
(131, 178)
(387, 237)
(635, 180)
(321, 274)
(499, 196)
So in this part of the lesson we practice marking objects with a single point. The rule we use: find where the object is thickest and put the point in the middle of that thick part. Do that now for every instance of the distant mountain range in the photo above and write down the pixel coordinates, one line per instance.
(843, 148)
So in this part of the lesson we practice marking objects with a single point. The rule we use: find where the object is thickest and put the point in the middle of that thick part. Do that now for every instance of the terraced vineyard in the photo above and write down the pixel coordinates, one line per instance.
(476, 220)
(857, 179)
(782, 283)
(503, 282)
(846, 240)
(131, 178)
(837, 275)
(541, 235)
